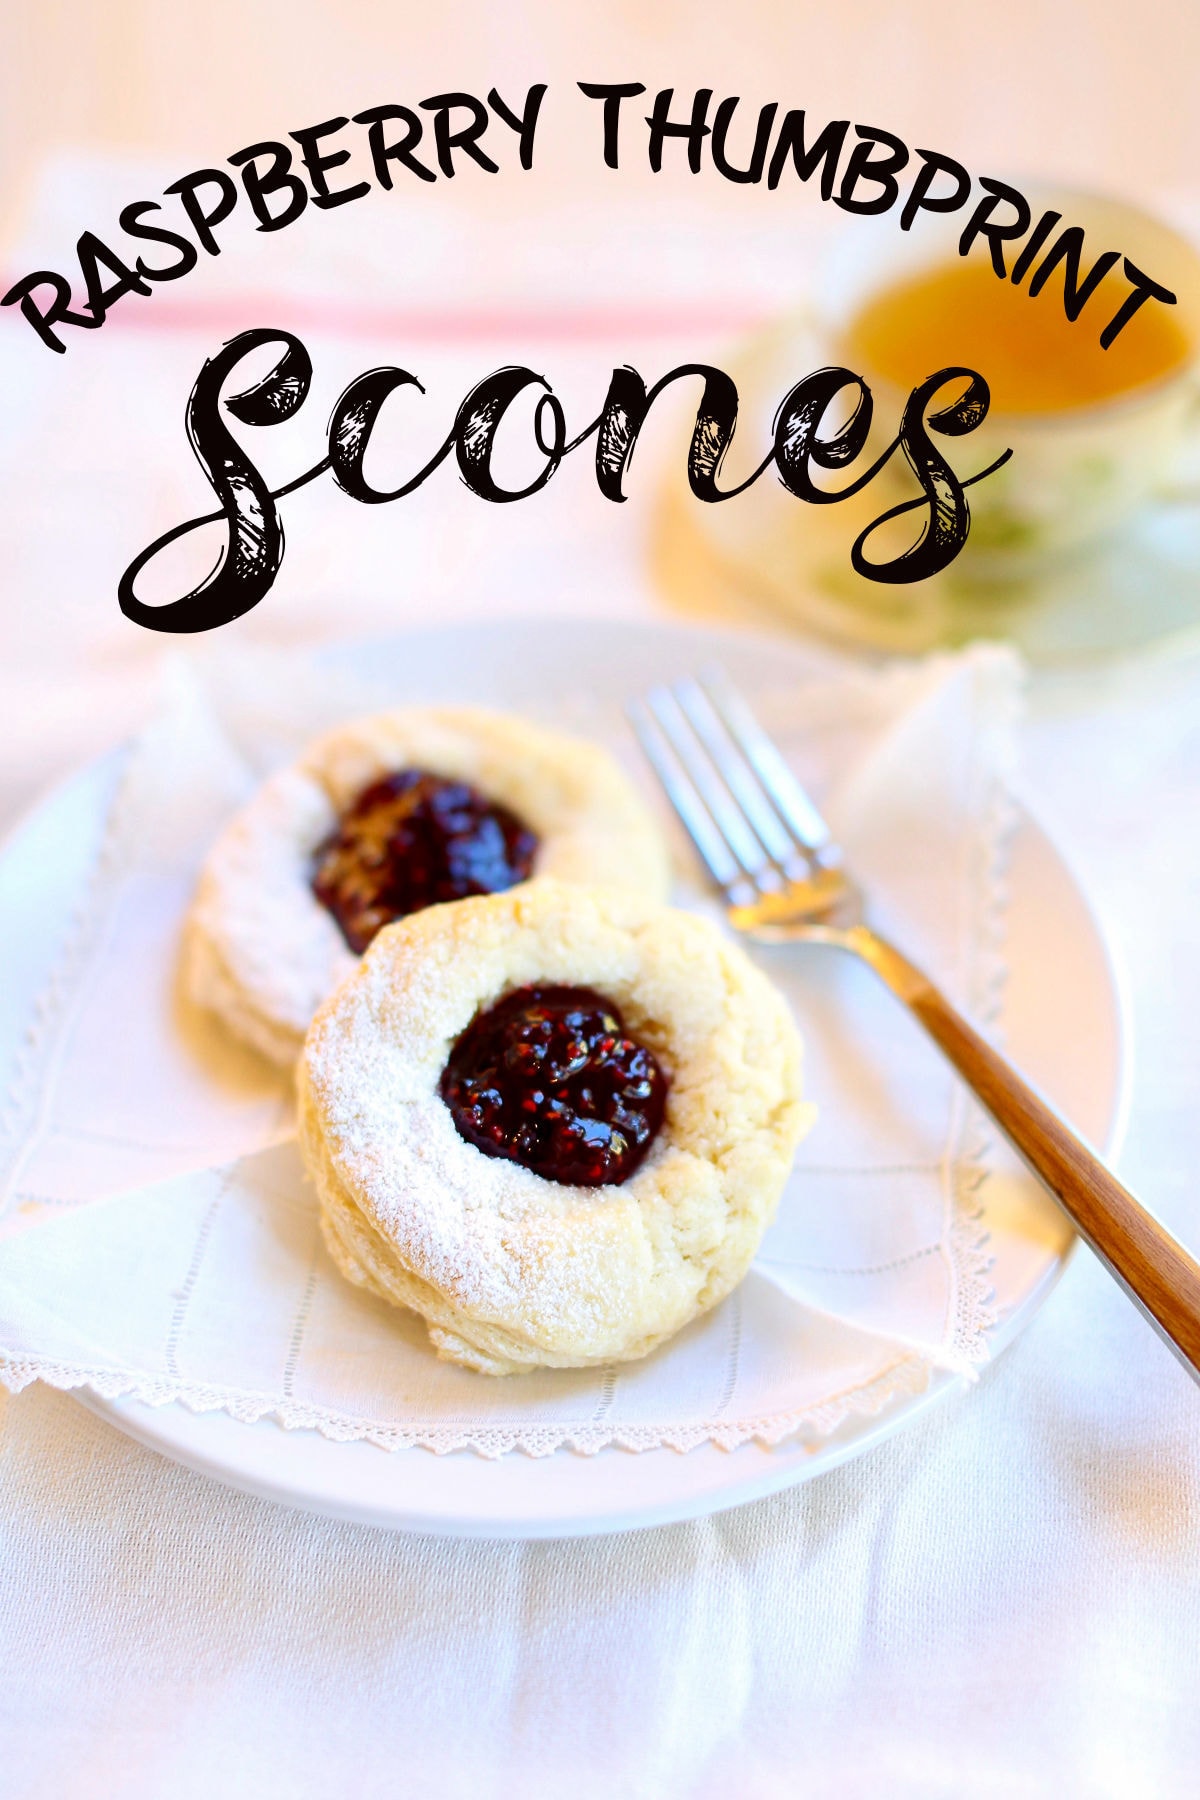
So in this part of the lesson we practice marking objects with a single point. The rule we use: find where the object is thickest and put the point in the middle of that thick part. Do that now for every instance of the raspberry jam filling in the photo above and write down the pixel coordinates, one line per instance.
(412, 840)
(550, 1078)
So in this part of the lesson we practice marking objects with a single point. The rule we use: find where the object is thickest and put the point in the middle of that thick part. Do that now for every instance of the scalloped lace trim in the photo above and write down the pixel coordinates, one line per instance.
(972, 1312)
(903, 1379)
(21, 1098)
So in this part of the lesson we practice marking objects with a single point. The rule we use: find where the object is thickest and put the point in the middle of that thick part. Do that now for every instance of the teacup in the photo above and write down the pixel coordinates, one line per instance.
(1046, 529)
(1094, 433)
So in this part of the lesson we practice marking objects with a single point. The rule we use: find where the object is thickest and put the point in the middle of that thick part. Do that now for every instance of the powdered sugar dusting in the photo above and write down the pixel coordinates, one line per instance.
(261, 950)
(573, 1274)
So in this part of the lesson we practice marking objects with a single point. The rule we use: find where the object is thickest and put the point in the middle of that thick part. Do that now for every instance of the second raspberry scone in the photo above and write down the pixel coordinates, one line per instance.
(377, 820)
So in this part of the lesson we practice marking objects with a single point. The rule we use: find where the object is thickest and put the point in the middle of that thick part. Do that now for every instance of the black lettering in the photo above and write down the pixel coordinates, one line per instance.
(625, 409)
(447, 141)
(824, 153)
(662, 127)
(131, 222)
(382, 153)
(762, 137)
(798, 443)
(1068, 249)
(947, 515)
(802, 449)
(980, 222)
(1032, 245)
(254, 544)
(45, 318)
(525, 124)
(1143, 289)
(94, 254)
(350, 431)
(864, 166)
(188, 189)
(612, 97)
(478, 420)
(259, 185)
(317, 164)
(919, 198)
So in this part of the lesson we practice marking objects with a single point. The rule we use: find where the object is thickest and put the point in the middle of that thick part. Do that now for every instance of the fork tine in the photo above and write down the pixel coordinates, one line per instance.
(786, 794)
(742, 780)
(722, 865)
(721, 807)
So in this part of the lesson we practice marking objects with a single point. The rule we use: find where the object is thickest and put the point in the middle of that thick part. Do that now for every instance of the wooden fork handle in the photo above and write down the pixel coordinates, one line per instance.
(1155, 1270)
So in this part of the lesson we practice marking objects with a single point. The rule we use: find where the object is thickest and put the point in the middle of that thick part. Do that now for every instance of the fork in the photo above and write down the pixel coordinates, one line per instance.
(784, 879)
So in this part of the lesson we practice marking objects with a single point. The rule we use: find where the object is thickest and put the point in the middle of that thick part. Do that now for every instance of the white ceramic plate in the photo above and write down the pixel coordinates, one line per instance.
(1063, 1025)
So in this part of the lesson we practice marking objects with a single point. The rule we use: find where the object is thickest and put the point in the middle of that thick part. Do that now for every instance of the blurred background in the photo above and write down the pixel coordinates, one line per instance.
(571, 267)
(1089, 91)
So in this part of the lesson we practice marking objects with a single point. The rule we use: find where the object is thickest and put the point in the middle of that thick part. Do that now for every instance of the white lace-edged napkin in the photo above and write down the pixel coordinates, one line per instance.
(157, 1234)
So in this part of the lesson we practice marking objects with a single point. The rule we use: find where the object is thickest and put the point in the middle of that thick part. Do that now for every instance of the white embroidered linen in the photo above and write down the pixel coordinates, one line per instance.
(157, 1234)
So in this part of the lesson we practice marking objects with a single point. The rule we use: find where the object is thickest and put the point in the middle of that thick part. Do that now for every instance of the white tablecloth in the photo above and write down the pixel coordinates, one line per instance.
(1003, 1600)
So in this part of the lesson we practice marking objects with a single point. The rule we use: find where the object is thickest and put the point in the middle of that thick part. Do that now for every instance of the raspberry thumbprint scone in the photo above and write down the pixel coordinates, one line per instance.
(555, 1121)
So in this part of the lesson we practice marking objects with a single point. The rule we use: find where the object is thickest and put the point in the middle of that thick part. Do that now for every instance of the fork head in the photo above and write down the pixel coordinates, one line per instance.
(761, 838)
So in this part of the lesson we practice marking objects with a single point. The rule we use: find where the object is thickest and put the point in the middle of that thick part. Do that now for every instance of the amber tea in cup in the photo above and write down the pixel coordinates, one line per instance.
(1034, 358)
(1094, 432)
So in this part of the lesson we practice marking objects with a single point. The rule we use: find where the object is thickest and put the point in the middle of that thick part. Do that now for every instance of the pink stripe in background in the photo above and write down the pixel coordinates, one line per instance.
(347, 318)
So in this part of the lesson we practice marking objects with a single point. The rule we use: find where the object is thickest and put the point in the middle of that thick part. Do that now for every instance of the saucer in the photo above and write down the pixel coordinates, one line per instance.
(769, 552)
